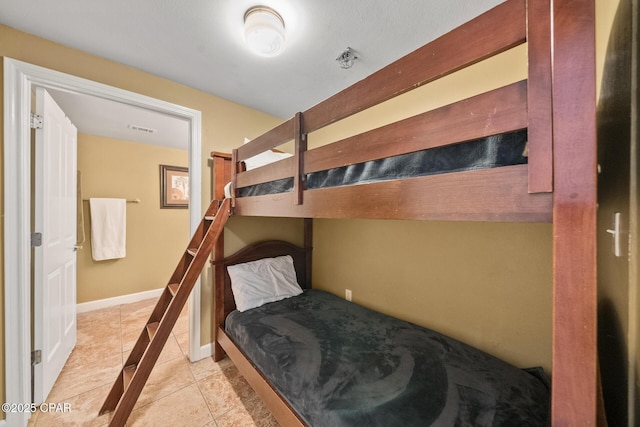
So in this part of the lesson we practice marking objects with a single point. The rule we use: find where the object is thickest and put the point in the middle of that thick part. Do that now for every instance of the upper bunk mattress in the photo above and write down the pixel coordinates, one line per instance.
(490, 152)
(340, 364)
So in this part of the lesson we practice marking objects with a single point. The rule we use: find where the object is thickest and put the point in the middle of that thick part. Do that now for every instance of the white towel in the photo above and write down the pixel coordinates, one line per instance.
(108, 228)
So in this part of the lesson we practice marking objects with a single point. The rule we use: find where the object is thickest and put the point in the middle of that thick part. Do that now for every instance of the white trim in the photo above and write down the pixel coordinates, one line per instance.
(17, 304)
(206, 350)
(114, 301)
(18, 78)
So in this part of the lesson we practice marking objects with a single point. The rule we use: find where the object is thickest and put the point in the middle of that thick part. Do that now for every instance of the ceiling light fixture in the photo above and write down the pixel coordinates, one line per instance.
(264, 31)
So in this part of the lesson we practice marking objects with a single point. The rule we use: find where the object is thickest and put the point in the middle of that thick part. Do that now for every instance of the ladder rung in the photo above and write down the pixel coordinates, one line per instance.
(192, 251)
(127, 375)
(152, 328)
(173, 288)
(209, 218)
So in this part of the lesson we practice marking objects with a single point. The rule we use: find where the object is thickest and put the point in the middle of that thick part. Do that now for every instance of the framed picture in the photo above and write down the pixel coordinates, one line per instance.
(174, 187)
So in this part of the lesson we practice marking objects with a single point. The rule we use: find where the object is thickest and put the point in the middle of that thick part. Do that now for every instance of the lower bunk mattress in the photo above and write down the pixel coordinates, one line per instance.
(340, 364)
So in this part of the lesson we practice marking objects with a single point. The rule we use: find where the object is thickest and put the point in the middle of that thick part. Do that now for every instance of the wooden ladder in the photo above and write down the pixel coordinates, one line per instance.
(145, 352)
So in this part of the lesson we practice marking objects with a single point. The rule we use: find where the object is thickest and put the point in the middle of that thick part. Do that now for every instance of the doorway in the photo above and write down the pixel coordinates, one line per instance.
(19, 77)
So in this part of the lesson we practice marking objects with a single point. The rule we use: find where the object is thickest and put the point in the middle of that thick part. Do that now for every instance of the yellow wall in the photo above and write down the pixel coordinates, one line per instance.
(156, 237)
(486, 284)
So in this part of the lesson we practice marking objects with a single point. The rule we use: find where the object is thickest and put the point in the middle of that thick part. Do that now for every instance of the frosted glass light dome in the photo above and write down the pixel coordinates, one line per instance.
(264, 31)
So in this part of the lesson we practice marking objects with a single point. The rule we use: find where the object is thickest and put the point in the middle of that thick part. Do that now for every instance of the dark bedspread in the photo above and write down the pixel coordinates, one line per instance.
(340, 364)
(491, 152)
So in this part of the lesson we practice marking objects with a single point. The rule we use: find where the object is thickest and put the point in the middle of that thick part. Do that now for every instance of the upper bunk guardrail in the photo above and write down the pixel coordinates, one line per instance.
(498, 111)
(422, 66)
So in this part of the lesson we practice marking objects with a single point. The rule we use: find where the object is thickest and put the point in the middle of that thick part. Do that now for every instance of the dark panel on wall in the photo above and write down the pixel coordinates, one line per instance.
(614, 148)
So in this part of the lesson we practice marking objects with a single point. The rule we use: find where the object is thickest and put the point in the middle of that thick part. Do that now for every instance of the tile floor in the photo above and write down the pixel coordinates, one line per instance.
(178, 393)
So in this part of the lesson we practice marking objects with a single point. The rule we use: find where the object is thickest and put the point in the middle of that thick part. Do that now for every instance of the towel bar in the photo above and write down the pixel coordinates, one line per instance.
(136, 200)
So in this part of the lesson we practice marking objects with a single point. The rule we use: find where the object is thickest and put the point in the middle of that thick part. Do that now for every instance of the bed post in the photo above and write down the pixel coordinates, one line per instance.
(221, 174)
(574, 214)
(540, 130)
(300, 149)
(308, 246)
(217, 315)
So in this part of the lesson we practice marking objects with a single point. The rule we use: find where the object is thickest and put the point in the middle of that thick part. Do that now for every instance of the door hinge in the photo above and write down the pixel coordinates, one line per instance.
(36, 121)
(36, 357)
(36, 239)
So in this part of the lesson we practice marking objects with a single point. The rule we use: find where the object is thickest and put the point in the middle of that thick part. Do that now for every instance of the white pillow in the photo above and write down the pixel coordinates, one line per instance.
(264, 158)
(266, 280)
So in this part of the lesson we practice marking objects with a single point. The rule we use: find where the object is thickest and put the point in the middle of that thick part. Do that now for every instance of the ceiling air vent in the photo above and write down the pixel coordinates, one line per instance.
(142, 129)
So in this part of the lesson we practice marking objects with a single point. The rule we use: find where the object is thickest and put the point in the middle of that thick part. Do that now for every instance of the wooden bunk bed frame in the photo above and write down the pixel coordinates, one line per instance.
(556, 104)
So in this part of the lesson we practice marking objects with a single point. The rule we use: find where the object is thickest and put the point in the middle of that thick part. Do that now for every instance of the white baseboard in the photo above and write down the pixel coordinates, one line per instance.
(123, 299)
(205, 351)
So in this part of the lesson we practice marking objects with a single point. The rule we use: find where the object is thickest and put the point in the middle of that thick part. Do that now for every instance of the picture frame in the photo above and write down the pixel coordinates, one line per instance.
(174, 187)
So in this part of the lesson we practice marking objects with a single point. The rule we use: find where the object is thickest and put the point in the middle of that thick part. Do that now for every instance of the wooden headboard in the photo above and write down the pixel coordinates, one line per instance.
(253, 252)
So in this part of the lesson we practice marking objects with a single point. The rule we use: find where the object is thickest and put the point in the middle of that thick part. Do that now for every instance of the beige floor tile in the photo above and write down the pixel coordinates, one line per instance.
(236, 417)
(219, 394)
(165, 379)
(259, 412)
(84, 411)
(100, 334)
(134, 316)
(170, 351)
(138, 309)
(183, 342)
(185, 407)
(83, 354)
(83, 375)
(109, 315)
(241, 416)
(133, 324)
(239, 384)
(131, 331)
(182, 324)
(97, 349)
(224, 391)
(33, 419)
(206, 367)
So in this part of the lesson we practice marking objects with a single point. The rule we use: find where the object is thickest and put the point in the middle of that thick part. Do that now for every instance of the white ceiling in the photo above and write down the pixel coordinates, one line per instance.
(199, 43)
(103, 117)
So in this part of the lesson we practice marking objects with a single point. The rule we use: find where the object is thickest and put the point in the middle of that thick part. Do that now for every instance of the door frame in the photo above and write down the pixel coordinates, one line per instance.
(18, 80)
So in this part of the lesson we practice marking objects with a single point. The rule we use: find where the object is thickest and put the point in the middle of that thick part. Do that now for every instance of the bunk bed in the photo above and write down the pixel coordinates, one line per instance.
(552, 113)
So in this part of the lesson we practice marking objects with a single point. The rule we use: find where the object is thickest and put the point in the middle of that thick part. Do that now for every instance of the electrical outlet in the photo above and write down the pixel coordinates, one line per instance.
(347, 294)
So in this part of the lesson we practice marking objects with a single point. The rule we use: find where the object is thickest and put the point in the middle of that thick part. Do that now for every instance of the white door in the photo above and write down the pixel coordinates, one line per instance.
(55, 259)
